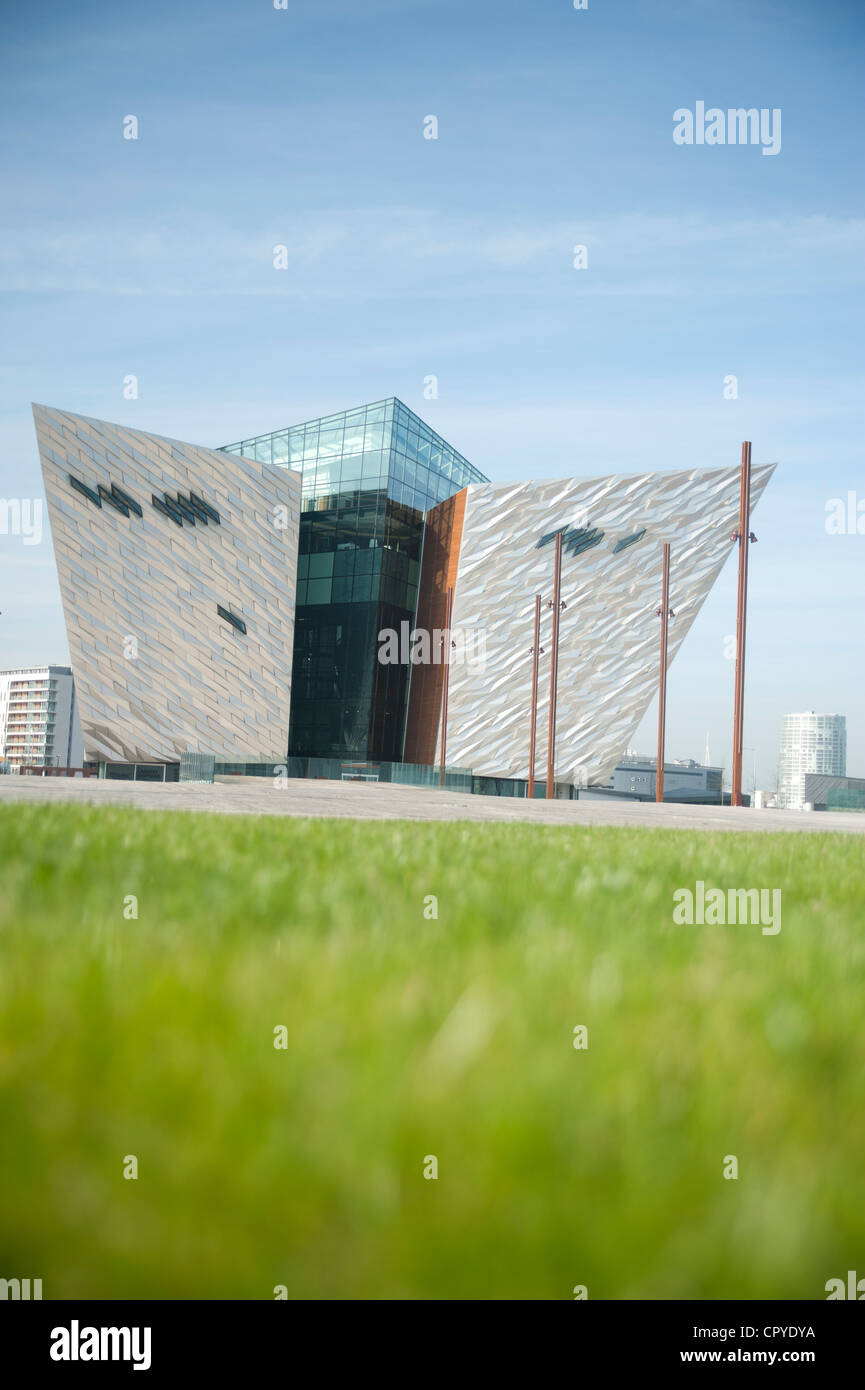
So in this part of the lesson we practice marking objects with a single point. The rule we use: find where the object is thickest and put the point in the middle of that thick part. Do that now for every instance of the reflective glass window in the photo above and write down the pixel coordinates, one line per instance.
(321, 564)
(319, 591)
(329, 443)
(353, 442)
(280, 448)
(351, 468)
(371, 467)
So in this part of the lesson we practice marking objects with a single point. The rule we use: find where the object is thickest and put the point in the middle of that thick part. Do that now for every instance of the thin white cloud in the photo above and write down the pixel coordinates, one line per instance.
(357, 254)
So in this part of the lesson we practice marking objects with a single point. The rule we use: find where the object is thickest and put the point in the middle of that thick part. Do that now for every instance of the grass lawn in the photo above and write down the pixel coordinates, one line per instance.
(409, 1036)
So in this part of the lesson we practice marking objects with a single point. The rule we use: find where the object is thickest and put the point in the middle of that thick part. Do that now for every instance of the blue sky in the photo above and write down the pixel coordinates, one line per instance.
(453, 257)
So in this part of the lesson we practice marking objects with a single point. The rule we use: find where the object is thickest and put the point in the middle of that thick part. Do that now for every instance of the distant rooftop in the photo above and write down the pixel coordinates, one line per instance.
(649, 762)
(31, 670)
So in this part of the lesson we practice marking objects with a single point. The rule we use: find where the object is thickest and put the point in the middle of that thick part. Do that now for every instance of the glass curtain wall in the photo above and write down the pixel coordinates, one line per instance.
(368, 477)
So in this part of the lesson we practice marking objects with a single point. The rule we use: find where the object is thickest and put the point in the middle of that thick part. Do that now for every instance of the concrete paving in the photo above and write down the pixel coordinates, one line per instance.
(389, 801)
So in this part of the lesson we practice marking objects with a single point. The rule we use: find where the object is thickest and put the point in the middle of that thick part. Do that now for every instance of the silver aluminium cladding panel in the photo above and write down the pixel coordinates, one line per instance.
(158, 671)
(609, 633)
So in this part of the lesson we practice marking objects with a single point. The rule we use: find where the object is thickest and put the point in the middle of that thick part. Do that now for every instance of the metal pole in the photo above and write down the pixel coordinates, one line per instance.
(662, 678)
(447, 661)
(554, 669)
(533, 729)
(742, 536)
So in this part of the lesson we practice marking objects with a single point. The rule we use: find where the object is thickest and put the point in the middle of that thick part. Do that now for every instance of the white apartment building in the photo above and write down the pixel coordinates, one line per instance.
(39, 723)
(809, 743)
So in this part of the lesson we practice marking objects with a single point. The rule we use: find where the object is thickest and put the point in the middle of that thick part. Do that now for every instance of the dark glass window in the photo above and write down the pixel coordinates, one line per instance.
(204, 506)
(85, 491)
(231, 618)
(584, 538)
(575, 539)
(184, 508)
(126, 499)
(167, 508)
(628, 540)
(198, 512)
(113, 501)
(344, 702)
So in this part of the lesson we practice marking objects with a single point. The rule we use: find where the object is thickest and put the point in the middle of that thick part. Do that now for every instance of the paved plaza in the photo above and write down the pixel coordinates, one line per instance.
(390, 801)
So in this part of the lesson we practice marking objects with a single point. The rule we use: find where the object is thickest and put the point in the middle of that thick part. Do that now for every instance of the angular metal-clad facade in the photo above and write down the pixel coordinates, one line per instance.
(613, 531)
(177, 567)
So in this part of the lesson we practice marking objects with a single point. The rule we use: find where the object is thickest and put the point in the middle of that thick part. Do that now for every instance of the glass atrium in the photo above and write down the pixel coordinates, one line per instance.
(368, 477)
(383, 446)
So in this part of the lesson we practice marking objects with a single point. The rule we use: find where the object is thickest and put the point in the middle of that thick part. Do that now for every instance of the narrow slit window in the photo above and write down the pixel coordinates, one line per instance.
(195, 506)
(126, 499)
(585, 538)
(205, 506)
(113, 501)
(628, 540)
(85, 491)
(231, 618)
(167, 509)
(183, 507)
